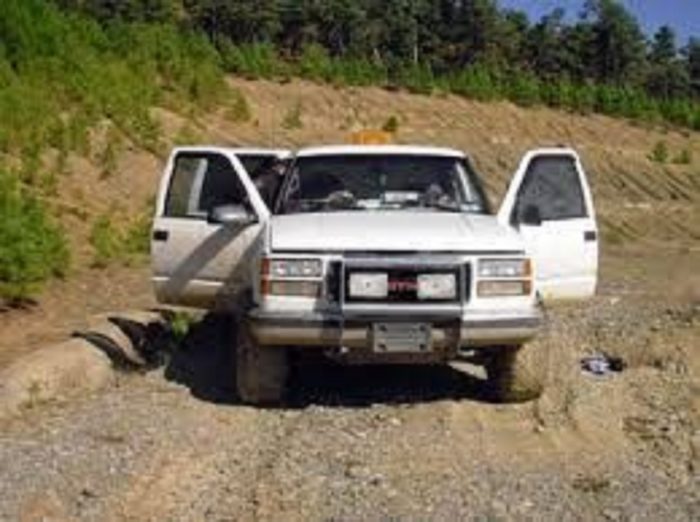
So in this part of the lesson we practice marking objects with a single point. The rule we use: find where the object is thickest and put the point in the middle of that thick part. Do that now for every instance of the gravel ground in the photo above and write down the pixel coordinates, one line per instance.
(381, 443)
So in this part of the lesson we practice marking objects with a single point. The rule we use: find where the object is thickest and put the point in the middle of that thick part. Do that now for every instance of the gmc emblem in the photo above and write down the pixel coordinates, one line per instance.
(402, 285)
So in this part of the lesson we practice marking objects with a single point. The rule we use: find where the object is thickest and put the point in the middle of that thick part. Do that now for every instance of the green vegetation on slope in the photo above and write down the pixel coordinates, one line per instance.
(126, 243)
(60, 73)
(32, 249)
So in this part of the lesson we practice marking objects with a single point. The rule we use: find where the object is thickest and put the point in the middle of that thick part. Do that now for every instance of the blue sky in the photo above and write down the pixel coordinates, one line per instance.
(682, 15)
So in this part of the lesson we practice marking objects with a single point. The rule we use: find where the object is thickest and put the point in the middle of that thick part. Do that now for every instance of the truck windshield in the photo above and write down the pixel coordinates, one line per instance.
(381, 182)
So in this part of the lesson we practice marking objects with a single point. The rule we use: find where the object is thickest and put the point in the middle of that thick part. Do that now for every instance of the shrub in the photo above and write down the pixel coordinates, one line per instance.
(105, 241)
(187, 135)
(660, 153)
(524, 89)
(259, 60)
(315, 64)
(137, 236)
(292, 119)
(609, 100)
(109, 158)
(358, 72)
(558, 94)
(685, 157)
(391, 125)
(125, 244)
(148, 133)
(476, 82)
(583, 99)
(695, 124)
(238, 109)
(32, 248)
(181, 324)
(417, 78)
(678, 112)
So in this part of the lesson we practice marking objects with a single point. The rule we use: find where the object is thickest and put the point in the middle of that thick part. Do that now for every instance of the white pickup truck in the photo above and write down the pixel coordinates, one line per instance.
(373, 254)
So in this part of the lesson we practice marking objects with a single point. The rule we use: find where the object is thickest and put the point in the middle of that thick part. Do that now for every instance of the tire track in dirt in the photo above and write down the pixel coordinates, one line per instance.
(218, 478)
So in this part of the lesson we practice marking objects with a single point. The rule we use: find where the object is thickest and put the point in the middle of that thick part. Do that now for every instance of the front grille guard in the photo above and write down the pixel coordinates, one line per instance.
(336, 284)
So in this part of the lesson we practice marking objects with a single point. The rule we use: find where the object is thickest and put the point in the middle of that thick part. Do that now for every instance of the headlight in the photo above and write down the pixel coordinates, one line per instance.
(283, 268)
(370, 285)
(504, 277)
(291, 277)
(437, 286)
(504, 268)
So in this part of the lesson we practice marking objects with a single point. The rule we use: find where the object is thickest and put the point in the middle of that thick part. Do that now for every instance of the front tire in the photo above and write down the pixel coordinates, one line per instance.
(261, 371)
(517, 374)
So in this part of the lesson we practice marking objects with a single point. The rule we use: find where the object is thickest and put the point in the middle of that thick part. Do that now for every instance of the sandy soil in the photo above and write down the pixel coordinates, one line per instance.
(67, 306)
(385, 442)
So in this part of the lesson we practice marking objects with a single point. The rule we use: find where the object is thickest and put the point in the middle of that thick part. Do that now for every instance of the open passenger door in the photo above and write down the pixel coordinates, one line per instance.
(209, 222)
(549, 201)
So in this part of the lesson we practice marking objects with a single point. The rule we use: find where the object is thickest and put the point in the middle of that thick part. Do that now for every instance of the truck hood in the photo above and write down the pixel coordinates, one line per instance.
(392, 231)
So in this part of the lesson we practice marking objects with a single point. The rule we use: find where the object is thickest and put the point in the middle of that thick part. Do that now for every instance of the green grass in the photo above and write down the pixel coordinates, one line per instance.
(113, 148)
(32, 246)
(61, 74)
(187, 135)
(125, 244)
(660, 153)
(684, 157)
(292, 119)
(391, 125)
(181, 324)
(238, 110)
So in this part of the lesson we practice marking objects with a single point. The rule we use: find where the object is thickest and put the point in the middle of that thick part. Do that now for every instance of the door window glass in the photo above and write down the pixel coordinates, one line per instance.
(201, 182)
(552, 184)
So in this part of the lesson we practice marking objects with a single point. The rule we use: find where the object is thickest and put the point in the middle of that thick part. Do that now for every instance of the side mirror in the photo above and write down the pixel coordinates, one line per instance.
(531, 216)
(230, 215)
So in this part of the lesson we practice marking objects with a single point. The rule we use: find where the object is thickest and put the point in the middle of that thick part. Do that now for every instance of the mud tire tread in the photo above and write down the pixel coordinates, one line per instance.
(261, 372)
(515, 376)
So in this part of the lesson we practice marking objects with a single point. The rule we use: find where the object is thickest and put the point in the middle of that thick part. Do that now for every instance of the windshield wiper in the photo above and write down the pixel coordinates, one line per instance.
(325, 205)
(447, 206)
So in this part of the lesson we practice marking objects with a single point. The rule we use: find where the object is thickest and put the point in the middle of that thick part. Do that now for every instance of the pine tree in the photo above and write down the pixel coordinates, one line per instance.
(617, 42)
(692, 57)
(667, 77)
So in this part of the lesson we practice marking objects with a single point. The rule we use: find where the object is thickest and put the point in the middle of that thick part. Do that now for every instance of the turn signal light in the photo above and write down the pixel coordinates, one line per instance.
(504, 288)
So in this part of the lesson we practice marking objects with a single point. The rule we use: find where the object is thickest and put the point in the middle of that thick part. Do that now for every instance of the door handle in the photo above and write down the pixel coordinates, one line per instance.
(160, 235)
(590, 235)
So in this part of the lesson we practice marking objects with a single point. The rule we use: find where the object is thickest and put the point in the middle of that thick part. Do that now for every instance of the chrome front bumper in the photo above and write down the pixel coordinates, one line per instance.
(334, 330)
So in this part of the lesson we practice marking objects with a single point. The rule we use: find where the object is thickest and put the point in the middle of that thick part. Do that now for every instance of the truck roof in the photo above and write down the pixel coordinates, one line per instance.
(408, 150)
(253, 151)
(281, 153)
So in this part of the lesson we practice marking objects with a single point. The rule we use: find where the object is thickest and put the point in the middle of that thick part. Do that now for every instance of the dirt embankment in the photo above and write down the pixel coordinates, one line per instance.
(641, 204)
